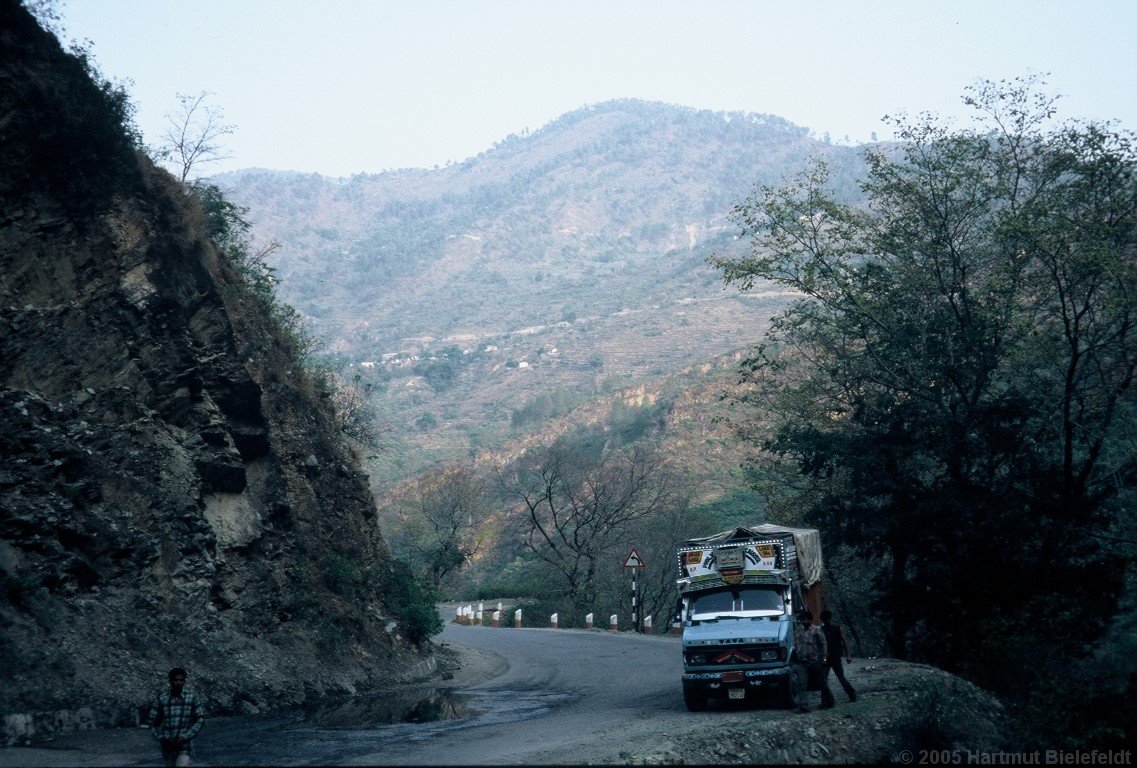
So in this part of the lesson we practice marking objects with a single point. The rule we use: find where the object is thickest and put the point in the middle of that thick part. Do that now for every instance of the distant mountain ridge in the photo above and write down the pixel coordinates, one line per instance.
(588, 237)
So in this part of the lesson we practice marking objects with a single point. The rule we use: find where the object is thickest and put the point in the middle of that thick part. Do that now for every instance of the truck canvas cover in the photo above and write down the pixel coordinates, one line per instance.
(767, 547)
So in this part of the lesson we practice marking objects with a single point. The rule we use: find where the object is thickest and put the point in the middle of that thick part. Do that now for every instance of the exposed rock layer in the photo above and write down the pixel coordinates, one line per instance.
(173, 490)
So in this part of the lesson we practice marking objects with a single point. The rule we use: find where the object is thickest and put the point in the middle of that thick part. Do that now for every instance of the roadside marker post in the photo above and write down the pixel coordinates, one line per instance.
(553, 621)
(517, 619)
(479, 617)
(588, 621)
(647, 625)
(497, 618)
(612, 624)
(635, 562)
(458, 615)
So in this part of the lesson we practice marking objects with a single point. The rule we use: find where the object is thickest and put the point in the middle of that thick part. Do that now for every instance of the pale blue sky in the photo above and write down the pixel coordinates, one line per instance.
(341, 87)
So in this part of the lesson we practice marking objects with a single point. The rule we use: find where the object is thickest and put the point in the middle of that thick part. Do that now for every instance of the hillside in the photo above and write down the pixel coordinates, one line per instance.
(570, 260)
(174, 490)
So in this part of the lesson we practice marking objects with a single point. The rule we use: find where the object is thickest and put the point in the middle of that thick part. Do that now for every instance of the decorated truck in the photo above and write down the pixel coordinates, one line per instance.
(739, 593)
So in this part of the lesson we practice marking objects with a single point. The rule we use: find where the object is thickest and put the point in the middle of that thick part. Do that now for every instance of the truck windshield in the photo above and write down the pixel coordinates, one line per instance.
(737, 601)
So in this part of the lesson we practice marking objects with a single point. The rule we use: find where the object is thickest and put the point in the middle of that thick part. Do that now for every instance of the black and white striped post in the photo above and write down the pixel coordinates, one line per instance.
(635, 562)
(635, 603)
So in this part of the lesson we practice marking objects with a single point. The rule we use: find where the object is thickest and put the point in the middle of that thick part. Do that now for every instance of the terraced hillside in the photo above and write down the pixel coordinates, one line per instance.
(556, 266)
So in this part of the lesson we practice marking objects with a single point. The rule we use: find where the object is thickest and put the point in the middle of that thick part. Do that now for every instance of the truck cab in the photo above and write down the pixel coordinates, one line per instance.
(739, 594)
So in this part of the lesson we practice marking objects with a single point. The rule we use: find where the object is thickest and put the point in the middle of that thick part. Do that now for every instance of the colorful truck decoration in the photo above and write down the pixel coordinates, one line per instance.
(739, 593)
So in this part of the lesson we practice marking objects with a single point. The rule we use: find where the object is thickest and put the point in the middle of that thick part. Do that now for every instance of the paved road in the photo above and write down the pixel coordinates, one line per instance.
(567, 696)
(596, 687)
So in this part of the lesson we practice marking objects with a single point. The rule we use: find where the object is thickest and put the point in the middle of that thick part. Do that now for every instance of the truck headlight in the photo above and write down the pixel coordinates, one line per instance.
(696, 658)
(769, 655)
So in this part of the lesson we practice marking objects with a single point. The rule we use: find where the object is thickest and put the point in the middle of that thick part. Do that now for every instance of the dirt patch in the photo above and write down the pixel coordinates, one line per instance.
(461, 666)
(900, 706)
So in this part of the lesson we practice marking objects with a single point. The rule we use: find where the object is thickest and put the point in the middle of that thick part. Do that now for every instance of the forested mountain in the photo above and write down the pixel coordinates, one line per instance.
(557, 265)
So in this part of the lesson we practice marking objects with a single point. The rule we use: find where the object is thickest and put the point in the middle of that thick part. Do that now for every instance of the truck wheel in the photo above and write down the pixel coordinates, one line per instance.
(695, 700)
(791, 690)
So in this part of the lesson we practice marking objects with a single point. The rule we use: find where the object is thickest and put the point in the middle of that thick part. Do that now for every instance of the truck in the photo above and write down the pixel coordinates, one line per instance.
(739, 593)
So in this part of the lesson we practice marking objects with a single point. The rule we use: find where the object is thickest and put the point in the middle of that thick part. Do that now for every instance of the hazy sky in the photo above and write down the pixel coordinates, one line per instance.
(341, 87)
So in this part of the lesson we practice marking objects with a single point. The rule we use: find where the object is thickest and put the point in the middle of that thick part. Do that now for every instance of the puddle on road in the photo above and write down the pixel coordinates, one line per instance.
(390, 707)
(351, 729)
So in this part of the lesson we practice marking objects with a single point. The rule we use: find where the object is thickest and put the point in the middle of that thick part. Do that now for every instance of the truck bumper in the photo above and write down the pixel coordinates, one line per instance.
(752, 681)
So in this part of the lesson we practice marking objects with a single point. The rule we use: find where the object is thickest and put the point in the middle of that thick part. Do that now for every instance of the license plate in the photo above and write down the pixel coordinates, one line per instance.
(736, 693)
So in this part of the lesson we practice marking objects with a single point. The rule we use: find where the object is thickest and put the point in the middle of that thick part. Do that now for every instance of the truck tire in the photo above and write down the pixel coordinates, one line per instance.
(790, 692)
(695, 699)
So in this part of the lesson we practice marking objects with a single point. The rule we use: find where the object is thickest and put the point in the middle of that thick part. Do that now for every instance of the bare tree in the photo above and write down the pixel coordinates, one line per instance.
(575, 509)
(655, 538)
(442, 516)
(193, 135)
(355, 412)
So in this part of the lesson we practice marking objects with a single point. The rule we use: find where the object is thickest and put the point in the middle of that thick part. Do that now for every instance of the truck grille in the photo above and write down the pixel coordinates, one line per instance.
(730, 655)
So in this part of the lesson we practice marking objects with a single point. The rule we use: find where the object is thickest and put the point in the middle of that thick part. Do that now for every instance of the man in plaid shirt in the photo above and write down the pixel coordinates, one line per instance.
(176, 717)
(813, 651)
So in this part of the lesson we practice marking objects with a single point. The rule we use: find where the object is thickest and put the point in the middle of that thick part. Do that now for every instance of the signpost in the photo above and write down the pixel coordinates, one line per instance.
(635, 562)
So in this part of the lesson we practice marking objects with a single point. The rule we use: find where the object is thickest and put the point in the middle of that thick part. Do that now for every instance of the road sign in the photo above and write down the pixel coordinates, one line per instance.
(633, 560)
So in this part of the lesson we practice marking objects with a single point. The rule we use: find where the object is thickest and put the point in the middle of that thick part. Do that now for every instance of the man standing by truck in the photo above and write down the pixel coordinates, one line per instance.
(838, 647)
(812, 651)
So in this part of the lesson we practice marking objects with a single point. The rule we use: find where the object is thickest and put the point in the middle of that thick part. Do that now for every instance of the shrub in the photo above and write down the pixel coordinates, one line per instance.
(412, 601)
(342, 576)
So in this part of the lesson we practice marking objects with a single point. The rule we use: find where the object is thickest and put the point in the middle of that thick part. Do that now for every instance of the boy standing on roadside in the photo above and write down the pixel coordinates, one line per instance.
(176, 717)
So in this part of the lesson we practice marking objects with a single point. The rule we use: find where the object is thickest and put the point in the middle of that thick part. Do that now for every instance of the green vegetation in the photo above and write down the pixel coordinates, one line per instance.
(739, 506)
(953, 397)
(76, 138)
(412, 600)
(441, 369)
(544, 406)
(343, 577)
(229, 229)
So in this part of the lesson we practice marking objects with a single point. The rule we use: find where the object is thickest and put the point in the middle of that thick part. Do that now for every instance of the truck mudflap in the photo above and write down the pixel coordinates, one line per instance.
(785, 683)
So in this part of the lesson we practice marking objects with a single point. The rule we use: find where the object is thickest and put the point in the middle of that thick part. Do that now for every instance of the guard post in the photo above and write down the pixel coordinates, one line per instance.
(635, 562)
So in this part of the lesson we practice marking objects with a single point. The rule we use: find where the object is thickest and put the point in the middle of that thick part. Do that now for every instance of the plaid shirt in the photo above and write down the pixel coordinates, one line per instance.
(812, 648)
(177, 717)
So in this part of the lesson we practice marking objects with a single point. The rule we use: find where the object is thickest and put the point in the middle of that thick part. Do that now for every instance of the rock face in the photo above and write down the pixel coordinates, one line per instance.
(173, 491)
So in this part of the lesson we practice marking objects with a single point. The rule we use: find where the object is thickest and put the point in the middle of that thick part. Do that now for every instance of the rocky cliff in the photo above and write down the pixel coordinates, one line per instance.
(173, 490)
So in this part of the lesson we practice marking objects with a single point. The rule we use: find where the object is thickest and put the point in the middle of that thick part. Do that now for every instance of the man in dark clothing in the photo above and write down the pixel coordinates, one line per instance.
(812, 651)
(838, 647)
(176, 717)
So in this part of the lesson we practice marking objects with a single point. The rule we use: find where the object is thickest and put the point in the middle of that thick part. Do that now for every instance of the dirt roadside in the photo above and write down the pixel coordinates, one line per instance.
(902, 707)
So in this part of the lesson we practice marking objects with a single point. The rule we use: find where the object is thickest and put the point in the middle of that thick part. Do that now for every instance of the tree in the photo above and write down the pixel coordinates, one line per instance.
(576, 508)
(355, 412)
(193, 135)
(950, 393)
(442, 514)
(655, 538)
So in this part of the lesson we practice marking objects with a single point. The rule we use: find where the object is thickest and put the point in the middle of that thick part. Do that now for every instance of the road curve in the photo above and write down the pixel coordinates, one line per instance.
(589, 692)
(566, 696)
